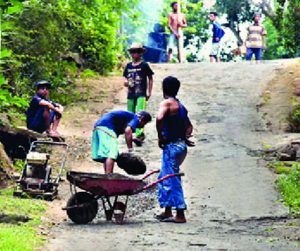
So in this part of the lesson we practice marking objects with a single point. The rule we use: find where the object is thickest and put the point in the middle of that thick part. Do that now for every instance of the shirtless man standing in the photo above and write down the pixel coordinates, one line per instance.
(176, 21)
(174, 129)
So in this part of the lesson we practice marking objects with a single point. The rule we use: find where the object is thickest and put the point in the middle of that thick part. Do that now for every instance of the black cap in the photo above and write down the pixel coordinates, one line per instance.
(43, 83)
(145, 116)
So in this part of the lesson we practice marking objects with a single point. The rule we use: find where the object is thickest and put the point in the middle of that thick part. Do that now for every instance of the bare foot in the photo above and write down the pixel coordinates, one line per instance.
(163, 216)
(52, 133)
(180, 219)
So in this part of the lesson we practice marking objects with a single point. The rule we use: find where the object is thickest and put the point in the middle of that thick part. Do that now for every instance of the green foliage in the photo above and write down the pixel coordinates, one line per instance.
(237, 12)
(19, 165)
(7, 99)
(291, 28)
(55, 40)
(294, 119)
(289, 187)
(22, 236)
(196, 34)
(275, 48)
(280, 167)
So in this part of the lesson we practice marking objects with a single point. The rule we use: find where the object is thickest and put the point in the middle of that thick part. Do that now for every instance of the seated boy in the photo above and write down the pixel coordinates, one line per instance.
(43, 115)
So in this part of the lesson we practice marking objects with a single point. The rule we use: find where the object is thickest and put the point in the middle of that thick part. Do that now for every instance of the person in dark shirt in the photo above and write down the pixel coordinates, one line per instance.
(218, 33)
(174, 129)
(138, 78)
(107, 130)
(43, 115)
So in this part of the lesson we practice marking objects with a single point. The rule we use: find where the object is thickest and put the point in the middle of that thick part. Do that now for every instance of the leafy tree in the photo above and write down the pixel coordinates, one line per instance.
(7, 99)
(290, 27)
(50, 39)
(237, 12)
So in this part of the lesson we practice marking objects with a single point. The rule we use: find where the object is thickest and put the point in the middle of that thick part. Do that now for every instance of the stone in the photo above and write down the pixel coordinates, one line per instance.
(296, 82)
(297, 91)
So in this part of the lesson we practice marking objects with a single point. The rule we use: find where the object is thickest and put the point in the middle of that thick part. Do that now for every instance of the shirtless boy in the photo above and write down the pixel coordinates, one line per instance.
(176, 21)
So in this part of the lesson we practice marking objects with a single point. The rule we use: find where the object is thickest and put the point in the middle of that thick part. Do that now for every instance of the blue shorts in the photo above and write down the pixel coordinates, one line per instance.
(38, 124)
(256, 51)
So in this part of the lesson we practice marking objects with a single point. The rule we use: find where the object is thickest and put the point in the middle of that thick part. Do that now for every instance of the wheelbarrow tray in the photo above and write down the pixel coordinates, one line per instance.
(106, 184)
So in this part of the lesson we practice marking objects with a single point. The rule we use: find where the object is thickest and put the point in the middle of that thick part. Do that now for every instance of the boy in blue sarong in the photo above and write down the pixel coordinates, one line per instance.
(107, 130)
(174, 130)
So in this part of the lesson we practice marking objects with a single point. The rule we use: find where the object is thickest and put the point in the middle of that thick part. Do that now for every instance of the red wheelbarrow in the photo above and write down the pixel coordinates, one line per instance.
(82, 207)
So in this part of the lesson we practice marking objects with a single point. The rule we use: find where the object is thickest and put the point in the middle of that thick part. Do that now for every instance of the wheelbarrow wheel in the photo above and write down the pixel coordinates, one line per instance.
(82, 208)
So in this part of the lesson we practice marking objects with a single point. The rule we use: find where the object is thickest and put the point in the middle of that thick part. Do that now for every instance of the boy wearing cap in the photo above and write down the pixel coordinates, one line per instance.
(138, 78)
(107, 130)
(256, 39)
(43, 114)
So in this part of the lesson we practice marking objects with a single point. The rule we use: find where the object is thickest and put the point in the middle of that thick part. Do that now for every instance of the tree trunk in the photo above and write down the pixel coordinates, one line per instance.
(5, 167)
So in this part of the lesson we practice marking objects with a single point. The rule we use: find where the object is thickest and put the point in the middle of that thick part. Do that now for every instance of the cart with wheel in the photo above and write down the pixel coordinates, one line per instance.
(42, 170)
(82, 207)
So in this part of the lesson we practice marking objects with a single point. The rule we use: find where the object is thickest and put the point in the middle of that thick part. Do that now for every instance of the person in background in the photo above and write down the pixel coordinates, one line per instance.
(256, 39)
(107, 130)
(174, 129)
(138, 78)
(176, 21)
(43, 115)
(218, 33)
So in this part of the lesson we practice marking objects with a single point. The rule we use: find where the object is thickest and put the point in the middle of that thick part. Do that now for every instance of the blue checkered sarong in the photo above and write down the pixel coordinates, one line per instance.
(170, 193)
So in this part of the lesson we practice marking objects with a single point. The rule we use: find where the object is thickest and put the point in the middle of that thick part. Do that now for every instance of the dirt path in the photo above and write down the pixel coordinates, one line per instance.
(232, 203)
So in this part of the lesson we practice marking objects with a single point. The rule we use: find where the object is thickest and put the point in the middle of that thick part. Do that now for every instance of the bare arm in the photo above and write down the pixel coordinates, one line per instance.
(188, 133)
(163, 110)
(59, 109)
(150, 87)
(125, 81)
(183, 23)
(128, 137)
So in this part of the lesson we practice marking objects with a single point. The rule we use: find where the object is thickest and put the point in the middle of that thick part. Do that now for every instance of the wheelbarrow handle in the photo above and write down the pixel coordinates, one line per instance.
(151, 172)
(161, 180)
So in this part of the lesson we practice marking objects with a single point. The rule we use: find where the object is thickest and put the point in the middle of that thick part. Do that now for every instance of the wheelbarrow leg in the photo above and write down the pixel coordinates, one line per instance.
(108, 207)
(120, 207)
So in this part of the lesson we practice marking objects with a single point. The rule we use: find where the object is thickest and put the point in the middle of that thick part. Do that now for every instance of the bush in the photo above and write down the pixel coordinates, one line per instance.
(289, 187)
(294, 119)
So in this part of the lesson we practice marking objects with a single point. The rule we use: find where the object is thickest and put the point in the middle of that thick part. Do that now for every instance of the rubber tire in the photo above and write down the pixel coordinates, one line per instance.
(82, 215)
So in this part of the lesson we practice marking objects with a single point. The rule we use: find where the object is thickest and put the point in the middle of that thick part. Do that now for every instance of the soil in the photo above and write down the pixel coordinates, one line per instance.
(232, 201)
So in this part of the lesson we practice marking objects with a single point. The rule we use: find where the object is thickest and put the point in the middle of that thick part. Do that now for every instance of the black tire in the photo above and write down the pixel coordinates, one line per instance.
(83, 214)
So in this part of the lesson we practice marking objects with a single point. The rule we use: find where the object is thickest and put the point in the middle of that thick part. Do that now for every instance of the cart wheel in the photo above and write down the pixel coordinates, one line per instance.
(86, 210)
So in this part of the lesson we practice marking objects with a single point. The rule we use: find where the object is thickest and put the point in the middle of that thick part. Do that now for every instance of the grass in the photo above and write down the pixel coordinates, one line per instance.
(281, 167)
(288, 183)
(23, 235)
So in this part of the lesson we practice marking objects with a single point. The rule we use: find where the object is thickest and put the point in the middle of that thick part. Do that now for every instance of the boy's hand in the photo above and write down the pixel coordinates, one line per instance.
(162, 142)
(130, 150)
(189, 142)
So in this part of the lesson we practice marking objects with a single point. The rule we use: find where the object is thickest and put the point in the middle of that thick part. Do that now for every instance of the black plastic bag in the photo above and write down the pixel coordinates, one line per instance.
(131, 164)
